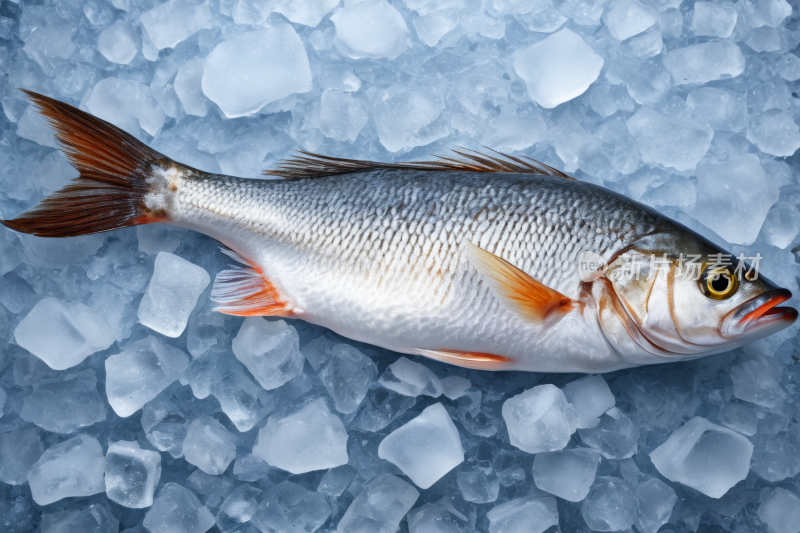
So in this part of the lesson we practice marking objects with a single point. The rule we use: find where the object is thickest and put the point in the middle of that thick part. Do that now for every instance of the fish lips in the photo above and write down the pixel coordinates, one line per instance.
(760, 316)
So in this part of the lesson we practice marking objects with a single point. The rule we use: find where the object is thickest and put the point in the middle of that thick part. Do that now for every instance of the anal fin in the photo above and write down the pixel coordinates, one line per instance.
(474, 360)
(245, 291)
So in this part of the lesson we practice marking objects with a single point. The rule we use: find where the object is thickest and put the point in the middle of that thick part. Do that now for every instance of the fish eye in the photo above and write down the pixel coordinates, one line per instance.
(718, 282)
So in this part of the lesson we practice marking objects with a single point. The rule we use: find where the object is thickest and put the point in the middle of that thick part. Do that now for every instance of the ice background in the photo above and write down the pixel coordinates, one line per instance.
(129, 405)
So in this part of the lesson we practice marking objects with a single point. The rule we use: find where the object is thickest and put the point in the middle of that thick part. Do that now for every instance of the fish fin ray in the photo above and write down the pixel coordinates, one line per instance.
(245, 291)
(521, 293)
(309, 165)
(474, 360)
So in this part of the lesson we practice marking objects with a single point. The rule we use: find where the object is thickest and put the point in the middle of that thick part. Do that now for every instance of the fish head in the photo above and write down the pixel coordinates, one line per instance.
(676, 295)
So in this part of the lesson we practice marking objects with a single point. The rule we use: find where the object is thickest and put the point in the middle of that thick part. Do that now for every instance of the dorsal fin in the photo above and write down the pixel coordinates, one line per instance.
(310, 165)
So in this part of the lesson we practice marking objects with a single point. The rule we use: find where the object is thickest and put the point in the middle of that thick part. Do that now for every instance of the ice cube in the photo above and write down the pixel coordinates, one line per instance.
(757, 379)
(188, 86)
(210, 490)
(628, 18)
(291, 508)
(454, 387)
(310, 439)
(245, 403)
(781, 225)
(764, 39)
(739, 418)
(704, 456)
(748, 194)
(655, 500)
(713, 20)
(250, 468)
(172, 22)
(342, 115)
(208, 370)
(789, 67)
(774, 132)
(165, 425)
(411, 379)
(114, 304)
(769, 12)
(701, 63)
(140, 372)
(74, 467)
(780, 510)
(48, 41)
(713, 106)
(66, 403)
(96, 518)
(542, 18)
(206, 331)
(335, 480)
(307, 13)
(590, 397)
(118, 43)
(407, 116)
(172, 294)
(19, 450)
(347, 376)
(62, 334)
(379, 508)
(239, 507)
(127, 104)
(583, 12)
(380, 408)
(616, 436)
(177, 510)
(539, 419)
(131, 474)
(529, 514)
(372, 28)
(648, 44)
(557, 69)
(426, 447)
(476, 478)
(230, 81)
(209, 446)
(566, 473)
(610, 505)
(669, 141)
(446, 515)
(270, 349)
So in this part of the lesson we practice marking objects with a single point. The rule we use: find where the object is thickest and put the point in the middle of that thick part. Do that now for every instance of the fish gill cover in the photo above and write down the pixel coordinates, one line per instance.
(129, 405)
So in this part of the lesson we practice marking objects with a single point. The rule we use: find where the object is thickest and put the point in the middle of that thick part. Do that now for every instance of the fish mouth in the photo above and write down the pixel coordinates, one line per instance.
(762, 315)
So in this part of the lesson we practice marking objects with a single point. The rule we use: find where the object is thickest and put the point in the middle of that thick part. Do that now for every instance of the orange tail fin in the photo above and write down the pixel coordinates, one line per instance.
(116, 172)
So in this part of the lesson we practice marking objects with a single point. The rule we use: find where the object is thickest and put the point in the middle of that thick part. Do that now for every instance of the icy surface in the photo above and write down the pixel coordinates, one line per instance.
(780, 510)
(539, 419)
(270, 350)
(705, 62)
(530, 514)
(713, 20)
(19, 450)
(589, 397)
(372, 28)
(380, 506)
(426, 448)
(66, 403)
(209, 446)
(567, 473)
(131, 474)
(71, 468)
(177, 510)
(669, 141)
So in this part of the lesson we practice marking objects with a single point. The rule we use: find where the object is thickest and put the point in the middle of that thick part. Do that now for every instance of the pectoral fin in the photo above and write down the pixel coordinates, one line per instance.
(517, 290)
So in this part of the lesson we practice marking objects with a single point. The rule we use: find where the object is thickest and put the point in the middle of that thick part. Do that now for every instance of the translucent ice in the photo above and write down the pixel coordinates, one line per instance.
(590, 397)
(239, 507)
(342, 115)
(270, 349)
(347, 376)
(757, 379)
(118, 43)
(454, 387)
(19, 450)
(567, 473)
(701, 63)
(616, 436)
(610, 505)
(154, 238)
(239, 89)
(476, 477)
(172, 294)
(781, 225)
(713, 20)
(127, 104)
(189, 90)
(704, 456)
(165, 425)
(379, 508)
(336, 480)
(171, 22)
(209, 446)
(370, 29)
(628, 18)
(177, 510)
(131, 474)
(713, 106)
(669, 141)
(738, 187)
(72, 468)
(774, 132)
(66, 403)
(780, 510)
(769, 12)
(407, 117)
(764, 39)
(96, 518)
(141, 371)
(529, 514)
(540, 419)
(310, 439)
(411, 379)
(789, 67)
(380, 408)
(739, 417)
(559, 68)
(245, 403)
(302, 12)
(433, 26)
(291, 508)
(62, 334)
(655, 500)
(446, 515)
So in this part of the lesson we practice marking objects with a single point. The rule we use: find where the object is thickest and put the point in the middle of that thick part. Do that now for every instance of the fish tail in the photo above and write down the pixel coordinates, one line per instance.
(116, 170)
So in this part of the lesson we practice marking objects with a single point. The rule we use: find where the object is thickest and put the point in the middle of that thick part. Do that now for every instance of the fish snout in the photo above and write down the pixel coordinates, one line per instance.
(760, 315)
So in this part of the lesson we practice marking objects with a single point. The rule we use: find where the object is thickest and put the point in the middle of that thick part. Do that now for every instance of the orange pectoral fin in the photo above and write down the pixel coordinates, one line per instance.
(474, 360)
(517, 290)
(245, 291)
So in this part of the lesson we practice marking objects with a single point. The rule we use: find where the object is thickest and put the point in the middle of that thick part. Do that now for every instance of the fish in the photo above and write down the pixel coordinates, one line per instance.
(483, 260)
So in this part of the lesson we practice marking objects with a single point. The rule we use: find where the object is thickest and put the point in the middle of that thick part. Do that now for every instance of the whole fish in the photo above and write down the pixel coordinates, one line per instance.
(485, 261)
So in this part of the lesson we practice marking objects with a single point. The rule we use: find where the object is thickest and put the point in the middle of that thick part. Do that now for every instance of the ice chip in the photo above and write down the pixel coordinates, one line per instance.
(171, 22)
(62, 334)
(177, 510)
(616, 436)
(739, 418)
(713, 20)
(529, 514)
(342, 115)
(172, 294)
(127, 104)
(539, 419)
(245, 403)
(118, 43)
(19, 450)
(669, 141)
(774, 132)
(590, 397)
(66, 403)
(704, 456)
(209, 446)
(140, 372)
(71, 468)
(557, 69)
(757, 379)
(131, 474)
(426, 447)
(290, 507)
(655, 500)
(380, 408)
(628, 18)
(769, 12)
(610, 505)
(446, 515)
(310, 439)
(347, 376)
(701, 63)
(372, 28)
(379, 507)
(335, 480)
(407, 116)
(231, 80)
(188, 86)
(780, 510)
(476, 478)
(165, 425)
(567, 474)
(270, 349)
(239, 507)
(713, 106)
(764, 39)
(781, 225)
(411, 379)
(96, 518)
(155, 238)
(454, 387)
(789, 67)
